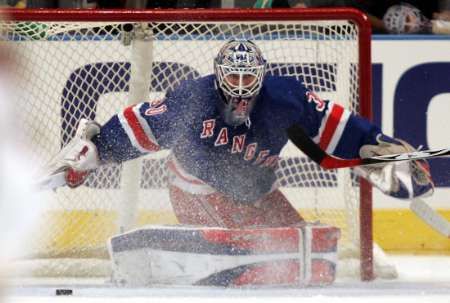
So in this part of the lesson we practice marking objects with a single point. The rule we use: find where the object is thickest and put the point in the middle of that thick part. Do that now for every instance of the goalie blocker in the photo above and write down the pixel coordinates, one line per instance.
(292, 256)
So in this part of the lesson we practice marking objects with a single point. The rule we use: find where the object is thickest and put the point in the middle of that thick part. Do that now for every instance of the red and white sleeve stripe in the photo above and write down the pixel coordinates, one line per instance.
(137, 129)
(332, 127)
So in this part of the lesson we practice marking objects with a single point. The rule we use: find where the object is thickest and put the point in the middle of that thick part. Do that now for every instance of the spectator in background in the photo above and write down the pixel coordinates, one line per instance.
(60, 3)
(12, 3)
(159, 4)
(374, 9)
(180, 4)
(444, 11)
(405, 18)
(111, 4)
(274, 3)
(389, 16)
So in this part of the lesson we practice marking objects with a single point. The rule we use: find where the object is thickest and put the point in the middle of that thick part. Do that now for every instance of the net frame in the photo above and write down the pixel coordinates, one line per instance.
(261, 15)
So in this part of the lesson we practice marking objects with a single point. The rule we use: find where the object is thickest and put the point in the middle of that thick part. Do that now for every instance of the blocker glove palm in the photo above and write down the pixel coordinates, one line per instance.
(78, 158)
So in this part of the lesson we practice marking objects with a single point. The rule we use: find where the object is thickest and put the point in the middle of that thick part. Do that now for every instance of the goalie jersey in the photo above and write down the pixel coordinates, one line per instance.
(239, 161)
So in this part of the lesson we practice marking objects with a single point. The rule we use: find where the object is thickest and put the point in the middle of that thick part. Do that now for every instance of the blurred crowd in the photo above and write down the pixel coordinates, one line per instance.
(389, 16)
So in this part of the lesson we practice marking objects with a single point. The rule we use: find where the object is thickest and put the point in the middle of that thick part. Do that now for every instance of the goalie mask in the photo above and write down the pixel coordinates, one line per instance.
(239, 68)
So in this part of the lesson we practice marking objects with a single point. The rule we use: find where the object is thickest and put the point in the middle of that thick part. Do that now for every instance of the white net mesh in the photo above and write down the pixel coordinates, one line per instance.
(72, 70)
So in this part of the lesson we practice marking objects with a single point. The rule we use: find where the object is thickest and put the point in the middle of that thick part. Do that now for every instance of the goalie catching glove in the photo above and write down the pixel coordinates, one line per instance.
(403, 180)
(78, 158)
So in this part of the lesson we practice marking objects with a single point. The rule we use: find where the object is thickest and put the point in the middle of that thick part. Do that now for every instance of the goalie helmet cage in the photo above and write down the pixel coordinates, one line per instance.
(92, 63)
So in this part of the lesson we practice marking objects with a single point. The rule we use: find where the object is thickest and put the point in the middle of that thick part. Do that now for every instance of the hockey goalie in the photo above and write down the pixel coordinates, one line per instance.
(225, 132)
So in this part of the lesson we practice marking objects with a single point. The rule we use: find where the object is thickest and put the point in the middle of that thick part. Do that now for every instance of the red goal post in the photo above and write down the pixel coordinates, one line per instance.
(280, 31)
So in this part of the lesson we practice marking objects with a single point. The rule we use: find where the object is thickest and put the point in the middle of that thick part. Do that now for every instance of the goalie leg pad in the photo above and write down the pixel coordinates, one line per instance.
(225, 257)
(218, 210)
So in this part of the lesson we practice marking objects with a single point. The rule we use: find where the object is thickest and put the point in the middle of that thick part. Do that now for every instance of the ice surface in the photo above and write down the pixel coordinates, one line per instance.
(421, 279)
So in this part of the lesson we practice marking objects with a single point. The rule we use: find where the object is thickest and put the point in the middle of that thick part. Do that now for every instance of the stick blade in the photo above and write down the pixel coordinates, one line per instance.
(52, 181)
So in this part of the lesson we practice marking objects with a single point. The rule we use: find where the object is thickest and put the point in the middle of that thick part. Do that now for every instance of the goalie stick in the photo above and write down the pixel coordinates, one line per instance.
(430, 217)
(51, 181)
(300, 139)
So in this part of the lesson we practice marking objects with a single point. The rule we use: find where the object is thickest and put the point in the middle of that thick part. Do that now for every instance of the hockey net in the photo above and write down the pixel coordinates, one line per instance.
(104, 61)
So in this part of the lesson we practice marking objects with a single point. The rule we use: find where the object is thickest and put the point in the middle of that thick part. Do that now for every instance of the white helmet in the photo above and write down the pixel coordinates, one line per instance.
(239, 68)
(405, 19)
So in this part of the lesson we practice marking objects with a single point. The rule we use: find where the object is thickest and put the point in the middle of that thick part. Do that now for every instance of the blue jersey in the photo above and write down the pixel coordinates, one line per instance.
(239, 161)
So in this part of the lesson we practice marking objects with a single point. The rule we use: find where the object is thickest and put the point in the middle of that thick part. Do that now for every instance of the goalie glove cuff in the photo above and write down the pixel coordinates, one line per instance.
(385, 146)
(87, 129)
